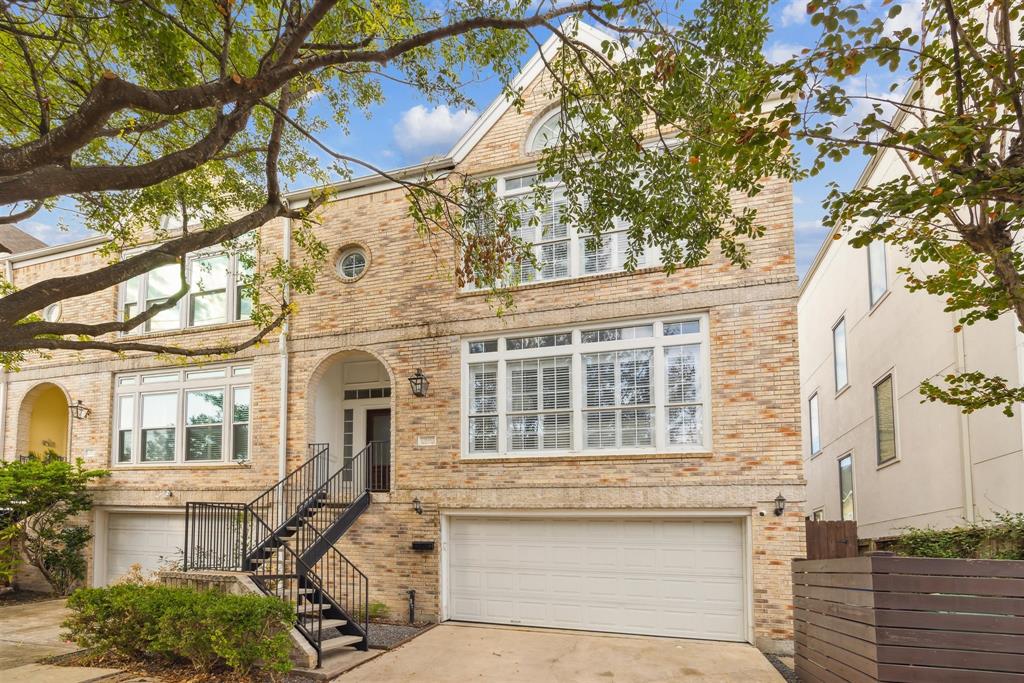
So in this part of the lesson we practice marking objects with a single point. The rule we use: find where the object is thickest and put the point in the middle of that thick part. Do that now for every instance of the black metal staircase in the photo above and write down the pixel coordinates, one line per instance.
(285, 539)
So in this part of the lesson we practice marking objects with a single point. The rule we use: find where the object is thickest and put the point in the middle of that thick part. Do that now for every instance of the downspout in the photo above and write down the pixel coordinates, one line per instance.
(966, 461)
(282, 350)
(9, 277)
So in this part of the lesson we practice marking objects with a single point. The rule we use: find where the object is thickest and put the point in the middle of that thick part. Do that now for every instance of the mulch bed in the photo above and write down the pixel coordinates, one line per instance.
(23, 597)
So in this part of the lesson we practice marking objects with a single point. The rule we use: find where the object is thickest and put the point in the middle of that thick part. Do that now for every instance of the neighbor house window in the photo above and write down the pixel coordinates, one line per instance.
(877, 277)
(846, 511)
(839, 354)
(215, 293)
(183, 416)
(885, 420)
(559, 250)
(626, 388)
(818, 515)
(813, 425)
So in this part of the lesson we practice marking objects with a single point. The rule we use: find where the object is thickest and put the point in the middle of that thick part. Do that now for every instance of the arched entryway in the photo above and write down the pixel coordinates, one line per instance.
(43, 421)
(350, 410)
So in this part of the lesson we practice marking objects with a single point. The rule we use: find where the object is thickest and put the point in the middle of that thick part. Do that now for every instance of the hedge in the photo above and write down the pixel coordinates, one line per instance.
(210, 630)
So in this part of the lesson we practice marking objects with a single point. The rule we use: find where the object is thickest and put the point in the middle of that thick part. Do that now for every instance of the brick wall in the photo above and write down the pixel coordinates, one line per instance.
(407, 312)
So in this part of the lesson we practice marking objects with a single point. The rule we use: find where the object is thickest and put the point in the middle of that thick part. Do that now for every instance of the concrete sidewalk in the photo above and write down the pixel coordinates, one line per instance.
(459, 653)
(30, 632)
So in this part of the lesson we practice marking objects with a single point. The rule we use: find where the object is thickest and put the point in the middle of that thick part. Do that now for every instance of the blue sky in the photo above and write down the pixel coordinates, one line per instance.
(406, 129)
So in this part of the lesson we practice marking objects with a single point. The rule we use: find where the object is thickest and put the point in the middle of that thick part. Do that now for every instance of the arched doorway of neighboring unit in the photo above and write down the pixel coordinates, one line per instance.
(350, 408)
(43, 421)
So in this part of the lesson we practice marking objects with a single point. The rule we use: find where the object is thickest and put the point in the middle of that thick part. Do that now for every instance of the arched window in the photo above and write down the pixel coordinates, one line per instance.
(546, 133)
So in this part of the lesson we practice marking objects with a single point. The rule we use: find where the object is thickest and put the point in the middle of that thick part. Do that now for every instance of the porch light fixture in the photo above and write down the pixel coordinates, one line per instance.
(417, 505)
(78, 411)
(419, 383)
(780, 505)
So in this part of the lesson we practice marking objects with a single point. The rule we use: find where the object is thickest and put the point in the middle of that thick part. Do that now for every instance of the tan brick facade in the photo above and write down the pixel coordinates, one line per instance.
(408, 314)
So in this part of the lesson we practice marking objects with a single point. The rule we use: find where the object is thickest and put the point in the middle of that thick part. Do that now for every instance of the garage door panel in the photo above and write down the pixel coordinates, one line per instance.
(148, 539)
(649, 576)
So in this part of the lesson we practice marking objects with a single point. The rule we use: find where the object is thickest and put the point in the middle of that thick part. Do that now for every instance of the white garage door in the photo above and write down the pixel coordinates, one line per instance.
(149, 539)
(669, 577)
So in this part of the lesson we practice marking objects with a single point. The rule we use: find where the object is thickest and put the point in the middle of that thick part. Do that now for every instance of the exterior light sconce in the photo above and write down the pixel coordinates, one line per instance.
(78, 411)
(417, 505)
(780, 505)
(419, 383)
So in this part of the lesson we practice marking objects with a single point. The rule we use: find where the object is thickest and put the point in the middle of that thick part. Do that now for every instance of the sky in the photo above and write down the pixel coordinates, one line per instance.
(405, 130)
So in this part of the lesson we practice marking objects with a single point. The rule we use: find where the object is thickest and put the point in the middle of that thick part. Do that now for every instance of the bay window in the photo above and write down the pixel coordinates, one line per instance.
(183, 416)
(602, 389)
(215, 293)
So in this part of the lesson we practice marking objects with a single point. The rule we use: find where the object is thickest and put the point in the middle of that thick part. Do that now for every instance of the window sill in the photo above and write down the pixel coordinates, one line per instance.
(584, 457)
(816, 454)
(874, 306)
(469, 293)
(843, 390)
(887, 463)
(186, 330)
(182, 466)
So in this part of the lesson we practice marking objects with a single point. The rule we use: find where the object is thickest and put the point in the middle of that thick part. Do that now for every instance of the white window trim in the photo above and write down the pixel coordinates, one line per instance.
(577, 240)
(231, 295)
(811, 427)
(835, 356)
(873, 301)
(180, 387)
(889, 374)
(853, 484)
(531, 146)
(576, 350)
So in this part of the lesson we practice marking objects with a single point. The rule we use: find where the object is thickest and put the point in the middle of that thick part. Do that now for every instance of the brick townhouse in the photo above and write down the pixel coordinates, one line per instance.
(607, 456)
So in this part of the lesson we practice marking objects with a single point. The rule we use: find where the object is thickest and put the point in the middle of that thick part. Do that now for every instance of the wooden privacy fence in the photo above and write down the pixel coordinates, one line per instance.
(910, 619)
(828, 540)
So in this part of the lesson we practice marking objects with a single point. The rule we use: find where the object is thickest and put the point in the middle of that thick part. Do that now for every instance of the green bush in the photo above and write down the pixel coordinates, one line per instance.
(999, 539)
(209, 630)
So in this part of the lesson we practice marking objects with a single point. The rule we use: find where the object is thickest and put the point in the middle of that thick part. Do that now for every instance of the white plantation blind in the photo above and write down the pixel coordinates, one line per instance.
(483, 407)
(613, 381)
(609, 252)
(539, 398)
(683, 394)
(547, 231)
(636, 387)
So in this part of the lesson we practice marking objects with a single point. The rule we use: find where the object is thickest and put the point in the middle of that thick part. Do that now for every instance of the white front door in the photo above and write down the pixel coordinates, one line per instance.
(667, 576)
(149, 539)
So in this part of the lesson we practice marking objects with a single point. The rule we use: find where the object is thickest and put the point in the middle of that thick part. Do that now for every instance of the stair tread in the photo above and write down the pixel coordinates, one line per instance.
(340, 642)
(313, 607)
(327, 623)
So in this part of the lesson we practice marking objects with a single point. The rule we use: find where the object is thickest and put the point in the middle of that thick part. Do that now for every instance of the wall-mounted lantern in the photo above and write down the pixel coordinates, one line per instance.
(417, 506)
(78, 411)
(780, 505)
(419, 383)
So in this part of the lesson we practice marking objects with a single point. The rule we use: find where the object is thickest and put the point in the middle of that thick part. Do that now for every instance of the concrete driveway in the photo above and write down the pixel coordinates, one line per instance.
(30, 632)
(458, 653)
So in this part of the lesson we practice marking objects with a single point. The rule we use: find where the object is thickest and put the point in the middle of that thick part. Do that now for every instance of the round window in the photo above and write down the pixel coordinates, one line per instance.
(352, 263)
(51, 313)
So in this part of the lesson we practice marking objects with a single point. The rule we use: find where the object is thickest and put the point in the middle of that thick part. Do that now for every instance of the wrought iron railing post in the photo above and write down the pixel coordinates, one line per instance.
(184, 557)
(244, 550)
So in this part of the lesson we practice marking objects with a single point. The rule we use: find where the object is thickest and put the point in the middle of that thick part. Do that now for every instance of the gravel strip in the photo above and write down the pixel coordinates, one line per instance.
(786, 672)
(387, 636)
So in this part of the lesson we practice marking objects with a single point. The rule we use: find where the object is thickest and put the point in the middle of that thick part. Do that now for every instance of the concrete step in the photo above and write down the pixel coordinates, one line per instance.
(311, 608)
(334, 644)
(327, 623)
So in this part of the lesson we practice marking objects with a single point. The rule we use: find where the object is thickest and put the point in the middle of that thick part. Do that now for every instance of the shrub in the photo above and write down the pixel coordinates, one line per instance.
(998, 539)
(208, 629)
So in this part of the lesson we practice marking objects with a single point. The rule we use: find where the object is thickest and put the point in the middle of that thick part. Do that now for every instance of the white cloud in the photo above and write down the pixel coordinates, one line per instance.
(794, 12)
(809, 226)
(909, 17)
(780, 52)
(424, 131)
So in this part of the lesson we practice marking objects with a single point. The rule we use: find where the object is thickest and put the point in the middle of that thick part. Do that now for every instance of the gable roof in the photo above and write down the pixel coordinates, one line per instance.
(583, 32)
(14, 240)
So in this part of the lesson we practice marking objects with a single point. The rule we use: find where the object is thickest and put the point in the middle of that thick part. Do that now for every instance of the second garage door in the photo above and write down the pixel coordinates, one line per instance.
(147, 539)
(670, 577)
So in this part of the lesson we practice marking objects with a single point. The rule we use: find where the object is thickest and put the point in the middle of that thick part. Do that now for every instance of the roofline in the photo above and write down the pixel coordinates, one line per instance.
(361, 183)
(862, 180)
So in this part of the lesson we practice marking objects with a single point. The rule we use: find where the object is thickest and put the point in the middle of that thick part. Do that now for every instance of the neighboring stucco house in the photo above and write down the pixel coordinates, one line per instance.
(873, 452)
(618, 438)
